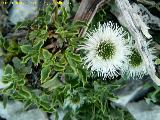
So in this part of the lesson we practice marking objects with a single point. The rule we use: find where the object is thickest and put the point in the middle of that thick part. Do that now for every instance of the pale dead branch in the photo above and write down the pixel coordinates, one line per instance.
(128, 18)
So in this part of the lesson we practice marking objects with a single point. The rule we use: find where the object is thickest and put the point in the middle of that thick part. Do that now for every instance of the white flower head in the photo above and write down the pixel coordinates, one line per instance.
(136, 66)
(106, 50)
(74, 101)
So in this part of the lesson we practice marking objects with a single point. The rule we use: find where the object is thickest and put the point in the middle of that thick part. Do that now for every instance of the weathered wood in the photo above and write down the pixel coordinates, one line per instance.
(127, 17)
(86, 11)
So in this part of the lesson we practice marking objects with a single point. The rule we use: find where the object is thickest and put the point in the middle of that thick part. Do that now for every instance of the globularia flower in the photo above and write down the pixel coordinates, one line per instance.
(106, 50)
(74, 101)
(136, 67)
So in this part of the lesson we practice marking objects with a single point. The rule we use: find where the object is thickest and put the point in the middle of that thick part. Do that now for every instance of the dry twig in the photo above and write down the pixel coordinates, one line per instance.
(87, 10)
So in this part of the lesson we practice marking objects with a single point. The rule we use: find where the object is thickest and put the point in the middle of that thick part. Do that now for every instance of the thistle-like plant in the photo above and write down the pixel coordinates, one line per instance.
(106, 50)
(43, 66)
(74, 100)
(136, 66)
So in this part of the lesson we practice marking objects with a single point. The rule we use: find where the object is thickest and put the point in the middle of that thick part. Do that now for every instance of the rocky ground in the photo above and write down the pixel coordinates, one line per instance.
(130, 97)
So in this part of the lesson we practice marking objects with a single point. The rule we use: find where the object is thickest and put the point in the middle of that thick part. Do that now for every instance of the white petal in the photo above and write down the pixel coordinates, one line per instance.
(106, 32)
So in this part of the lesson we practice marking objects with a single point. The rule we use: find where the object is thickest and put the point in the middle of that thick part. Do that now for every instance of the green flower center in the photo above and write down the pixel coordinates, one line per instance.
(135, 58)
(76, 100)
(106, 50)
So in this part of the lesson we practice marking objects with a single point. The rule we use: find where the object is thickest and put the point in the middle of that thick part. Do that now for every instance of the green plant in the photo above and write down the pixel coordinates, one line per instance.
(44, 70)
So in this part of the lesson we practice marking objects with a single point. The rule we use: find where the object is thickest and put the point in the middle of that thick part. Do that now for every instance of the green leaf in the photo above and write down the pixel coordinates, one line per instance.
(43, 32)
(67, 116)
(42, 35)
(25, 59)
(28, 104)
(80, 24)
(24, 92)
(38, 35)
(71, 62)
(45, 72)
(8, 69)
(13, 46)
(32, 52)
(157, 62)
(35, 58)
(21, 82)
(1, 40)
(17, 63)
(20, 67)
(59, 67)
(47, 58)
(46, 54)
(38, 46)
(22, 25)
(64, 14)
(33, 34)
(36, 53)
(83, 75)
(74, 56)
(52, 83)
(56, 116)
(5, 100)
(26, 48)
(46, 106)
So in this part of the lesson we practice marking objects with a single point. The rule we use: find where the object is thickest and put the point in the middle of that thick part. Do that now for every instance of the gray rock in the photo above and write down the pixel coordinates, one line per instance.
(24, 10)
(143, 111)
(3, 20)
(132, 90)
(61, 114)
(123, 99)
(11, 109)
(15, 111)
(34, 114)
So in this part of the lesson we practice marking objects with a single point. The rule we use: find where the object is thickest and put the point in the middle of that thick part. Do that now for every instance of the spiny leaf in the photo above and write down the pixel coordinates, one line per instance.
(71, 62)
(83, 76)
(8, 69)
(38, 46)
(5, 100)
(64, 14)
(1, 40)
(45, 72)
(35, 58)
(24, 92)
(20, 68)
(46, 54)
(38, 35)
(157, 62)
(59, 67)
(52, 83)
(79, 24)
(46, 106)
(25, 59)
(74, 56)
(26, 48)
